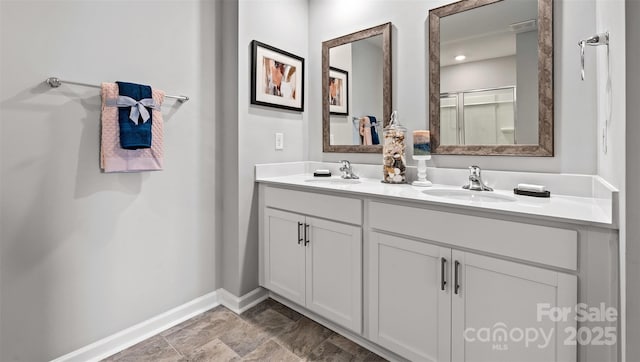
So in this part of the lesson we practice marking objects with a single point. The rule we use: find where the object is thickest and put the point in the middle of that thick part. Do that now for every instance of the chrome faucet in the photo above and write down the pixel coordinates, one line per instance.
(475, 180)
(347, 171)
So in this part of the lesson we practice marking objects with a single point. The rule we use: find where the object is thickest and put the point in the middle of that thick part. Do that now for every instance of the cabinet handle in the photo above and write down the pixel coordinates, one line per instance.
(443, 268)
(456, 286)
(306, 234)
(299, 233)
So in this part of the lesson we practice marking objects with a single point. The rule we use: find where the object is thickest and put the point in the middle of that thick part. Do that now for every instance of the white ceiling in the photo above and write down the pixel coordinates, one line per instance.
(484, 32)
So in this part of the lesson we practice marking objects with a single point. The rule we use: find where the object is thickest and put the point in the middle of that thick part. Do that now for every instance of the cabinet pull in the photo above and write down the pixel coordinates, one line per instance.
(306, 234)
(443, 268)
(299, 233)
(456, 285)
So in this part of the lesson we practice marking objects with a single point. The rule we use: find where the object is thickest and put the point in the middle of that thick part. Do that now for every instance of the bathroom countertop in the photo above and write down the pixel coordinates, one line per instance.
(563, 208)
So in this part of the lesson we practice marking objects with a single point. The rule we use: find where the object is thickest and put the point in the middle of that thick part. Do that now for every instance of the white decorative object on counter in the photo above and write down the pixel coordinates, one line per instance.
(422, 171)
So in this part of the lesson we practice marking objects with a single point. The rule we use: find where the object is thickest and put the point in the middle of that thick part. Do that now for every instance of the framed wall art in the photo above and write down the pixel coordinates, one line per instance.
(277, 78)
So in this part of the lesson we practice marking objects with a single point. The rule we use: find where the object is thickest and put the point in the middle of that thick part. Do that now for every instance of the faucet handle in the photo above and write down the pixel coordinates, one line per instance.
(475, 170)
(345, 164)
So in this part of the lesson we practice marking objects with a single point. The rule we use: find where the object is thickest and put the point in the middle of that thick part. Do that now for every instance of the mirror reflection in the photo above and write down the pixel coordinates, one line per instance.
(355, 92)
(356, 83)
(489, 75)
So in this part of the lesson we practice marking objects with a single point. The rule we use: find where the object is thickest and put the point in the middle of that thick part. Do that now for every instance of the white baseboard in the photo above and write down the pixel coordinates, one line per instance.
(126, 338)
(239, 304)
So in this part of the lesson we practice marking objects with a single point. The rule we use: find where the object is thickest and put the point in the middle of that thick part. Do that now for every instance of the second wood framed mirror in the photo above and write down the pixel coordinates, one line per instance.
(491, 78)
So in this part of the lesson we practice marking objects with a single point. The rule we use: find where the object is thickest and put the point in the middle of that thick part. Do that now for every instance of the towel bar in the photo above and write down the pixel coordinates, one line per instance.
(55, 82)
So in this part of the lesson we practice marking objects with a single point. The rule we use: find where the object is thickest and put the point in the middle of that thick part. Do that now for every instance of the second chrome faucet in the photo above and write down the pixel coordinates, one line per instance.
(347, 171)
(475, 180)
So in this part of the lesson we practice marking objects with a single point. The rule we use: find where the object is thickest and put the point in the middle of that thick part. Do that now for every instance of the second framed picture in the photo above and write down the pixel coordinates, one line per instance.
(338, 91)
(277, 78)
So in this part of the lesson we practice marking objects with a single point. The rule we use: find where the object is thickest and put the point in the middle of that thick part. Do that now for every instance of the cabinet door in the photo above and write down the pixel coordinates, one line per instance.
(334, 272)
(495, 311)
(284, 254)
(410, 306)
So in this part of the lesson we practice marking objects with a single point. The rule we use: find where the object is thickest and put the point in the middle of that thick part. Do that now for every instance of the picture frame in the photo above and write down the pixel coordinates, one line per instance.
(277, 78)
(338, 92)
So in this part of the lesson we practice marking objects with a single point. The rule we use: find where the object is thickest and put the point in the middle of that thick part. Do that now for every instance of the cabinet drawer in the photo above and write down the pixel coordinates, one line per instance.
(540, 244)
(341, 209)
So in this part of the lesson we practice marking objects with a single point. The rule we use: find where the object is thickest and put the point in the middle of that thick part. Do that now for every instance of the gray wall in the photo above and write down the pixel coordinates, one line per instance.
(632, 177)
(575, 110)
(527, 91)
(487, 73)
(366, 95)
(282, 24)
(611, 77)
(342, 126)
(84, 254)
(228, 154)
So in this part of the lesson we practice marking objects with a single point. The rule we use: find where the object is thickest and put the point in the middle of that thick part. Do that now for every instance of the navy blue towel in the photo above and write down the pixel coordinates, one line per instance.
(374, 132)
(134, 136)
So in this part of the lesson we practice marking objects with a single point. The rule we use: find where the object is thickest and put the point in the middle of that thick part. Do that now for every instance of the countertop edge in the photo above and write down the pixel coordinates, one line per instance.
(443, 203)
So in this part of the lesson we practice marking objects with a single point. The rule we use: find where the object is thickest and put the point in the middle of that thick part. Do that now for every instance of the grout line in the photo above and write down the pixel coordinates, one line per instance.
(234, 351)
(323, 341)
(174, 348)
(275, 340)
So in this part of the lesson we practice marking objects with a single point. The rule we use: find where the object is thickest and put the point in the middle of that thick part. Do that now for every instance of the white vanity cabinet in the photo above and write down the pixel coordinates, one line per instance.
(431, 302)
(409, 305)
(285, 254)
(312, 261)
(502, 297)
(426, 282)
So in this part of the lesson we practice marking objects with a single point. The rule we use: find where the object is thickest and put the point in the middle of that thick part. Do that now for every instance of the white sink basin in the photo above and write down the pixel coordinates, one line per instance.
(333, 181)
(472, 196)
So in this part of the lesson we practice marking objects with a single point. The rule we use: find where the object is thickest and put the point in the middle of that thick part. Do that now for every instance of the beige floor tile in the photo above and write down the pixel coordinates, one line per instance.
(191, 321)
(243, 337)
(328, 351)
(203, 331)
(286, 311)
(359, 353)
(271, 351)
(271, 304)
(269, 331)
(257, 309)
(272, 322)
(154, 349)
(304, 337)
(213, 351)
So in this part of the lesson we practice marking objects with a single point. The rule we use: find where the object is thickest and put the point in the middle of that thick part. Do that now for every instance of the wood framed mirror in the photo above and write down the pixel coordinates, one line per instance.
(491, 78)
(356, 88)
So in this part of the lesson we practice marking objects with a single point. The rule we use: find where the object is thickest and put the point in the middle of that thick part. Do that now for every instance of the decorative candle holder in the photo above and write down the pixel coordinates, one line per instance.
(422, 171)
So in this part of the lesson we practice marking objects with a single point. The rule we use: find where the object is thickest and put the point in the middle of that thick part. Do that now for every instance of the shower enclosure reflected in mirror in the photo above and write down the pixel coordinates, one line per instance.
(491, 78)
(356, 76)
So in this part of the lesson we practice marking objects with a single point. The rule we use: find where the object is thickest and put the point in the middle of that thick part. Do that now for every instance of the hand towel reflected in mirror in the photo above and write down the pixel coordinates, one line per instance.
(367, 130)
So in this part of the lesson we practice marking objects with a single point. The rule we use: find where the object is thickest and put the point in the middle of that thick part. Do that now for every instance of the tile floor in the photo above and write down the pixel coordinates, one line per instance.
(267, 332)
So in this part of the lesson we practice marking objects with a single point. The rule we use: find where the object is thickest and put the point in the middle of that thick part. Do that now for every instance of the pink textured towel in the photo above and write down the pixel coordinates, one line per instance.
(116, 159)
(365, 131)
